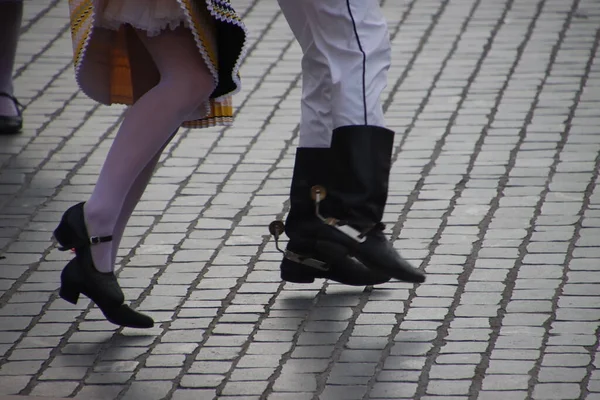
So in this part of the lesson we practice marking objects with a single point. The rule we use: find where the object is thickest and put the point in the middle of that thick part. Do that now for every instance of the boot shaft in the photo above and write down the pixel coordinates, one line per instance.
(310, 169)
(354, 173)
(360, 164)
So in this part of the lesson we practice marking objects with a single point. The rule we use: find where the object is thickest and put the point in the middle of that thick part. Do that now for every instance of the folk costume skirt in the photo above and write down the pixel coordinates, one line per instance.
(113, 67)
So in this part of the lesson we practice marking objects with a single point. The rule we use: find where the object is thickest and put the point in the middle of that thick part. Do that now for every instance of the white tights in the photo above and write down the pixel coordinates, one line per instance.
(148, 126)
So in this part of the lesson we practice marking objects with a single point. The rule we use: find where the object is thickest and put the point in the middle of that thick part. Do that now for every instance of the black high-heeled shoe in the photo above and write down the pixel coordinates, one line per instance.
(73, 283)
(80, 276)
(11, 124)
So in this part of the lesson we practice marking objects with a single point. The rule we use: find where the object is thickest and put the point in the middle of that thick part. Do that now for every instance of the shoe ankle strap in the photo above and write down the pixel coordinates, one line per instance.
(16, 102)
(100, 239)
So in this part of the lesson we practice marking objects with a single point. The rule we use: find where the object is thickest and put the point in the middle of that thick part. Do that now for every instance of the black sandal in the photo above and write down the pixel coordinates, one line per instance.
(9, 125)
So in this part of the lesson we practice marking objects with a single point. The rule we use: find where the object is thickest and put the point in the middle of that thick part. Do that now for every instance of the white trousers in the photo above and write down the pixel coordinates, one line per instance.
(346, 56)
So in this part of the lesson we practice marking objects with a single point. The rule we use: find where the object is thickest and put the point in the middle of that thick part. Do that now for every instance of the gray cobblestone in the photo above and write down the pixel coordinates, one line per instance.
(556, 391)
(493, 191)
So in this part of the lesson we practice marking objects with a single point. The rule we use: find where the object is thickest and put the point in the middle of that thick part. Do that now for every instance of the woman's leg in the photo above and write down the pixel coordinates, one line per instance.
(132, 199)
(185, 83)
(11, 13)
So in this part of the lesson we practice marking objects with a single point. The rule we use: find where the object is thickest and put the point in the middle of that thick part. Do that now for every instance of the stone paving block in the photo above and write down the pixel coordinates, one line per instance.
(153, 374)
(201, 381)
(109, 377)
(29, 354)
(451, 371)
(594, 386)
(116, 366)
(506, 382)
(291, 396)
(502, 395)
(20, 368)
(350, 392)
(393, 390)
(240, 397)
(244, 388)
(445, 387)
(148, 390)
(312, 352)
(13, 384)
(556, 391)
(99, 392)
(251, 374)
(566, 360)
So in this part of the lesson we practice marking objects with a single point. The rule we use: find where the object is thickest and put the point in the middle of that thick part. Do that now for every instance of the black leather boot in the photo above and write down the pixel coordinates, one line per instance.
(304, 258)
(351, 203)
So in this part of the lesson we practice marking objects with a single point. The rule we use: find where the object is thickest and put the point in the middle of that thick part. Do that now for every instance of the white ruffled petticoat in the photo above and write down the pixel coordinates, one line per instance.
(152, 16)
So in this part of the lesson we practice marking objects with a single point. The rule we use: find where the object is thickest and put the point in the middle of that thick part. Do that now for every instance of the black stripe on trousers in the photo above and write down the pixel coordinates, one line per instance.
(364, 78)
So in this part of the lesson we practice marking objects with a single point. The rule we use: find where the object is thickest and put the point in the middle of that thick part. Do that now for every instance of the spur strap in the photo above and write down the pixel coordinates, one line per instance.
(91, 241)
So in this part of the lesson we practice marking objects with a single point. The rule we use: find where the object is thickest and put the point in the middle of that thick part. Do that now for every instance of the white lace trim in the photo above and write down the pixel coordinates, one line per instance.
(153, 17)
(199, 45)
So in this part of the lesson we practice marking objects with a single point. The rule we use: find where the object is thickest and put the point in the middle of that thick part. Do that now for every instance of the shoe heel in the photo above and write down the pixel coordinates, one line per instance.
(70, 283)
(69, 294)
(295, 272)
(63, 235)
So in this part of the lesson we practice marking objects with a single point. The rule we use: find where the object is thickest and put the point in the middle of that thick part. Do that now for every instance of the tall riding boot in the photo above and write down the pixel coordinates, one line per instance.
(351, 205)
(304, 258)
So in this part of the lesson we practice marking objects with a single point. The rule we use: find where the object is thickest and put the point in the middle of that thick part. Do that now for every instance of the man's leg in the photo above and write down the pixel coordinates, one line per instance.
(302, 262)
(353, 41)
(316, 109)
(346, 58)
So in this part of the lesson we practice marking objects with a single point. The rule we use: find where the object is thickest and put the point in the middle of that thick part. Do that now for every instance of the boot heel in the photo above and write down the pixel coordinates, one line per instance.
(69, 294)
(294, 272)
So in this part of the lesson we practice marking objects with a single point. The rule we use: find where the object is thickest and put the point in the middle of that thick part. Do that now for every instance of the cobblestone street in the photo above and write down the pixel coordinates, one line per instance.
(496, 105)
